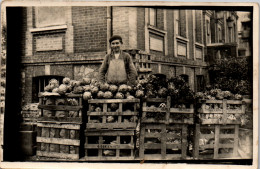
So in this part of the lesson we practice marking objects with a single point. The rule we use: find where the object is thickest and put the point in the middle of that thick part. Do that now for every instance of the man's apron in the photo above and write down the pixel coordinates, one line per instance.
(116, 72)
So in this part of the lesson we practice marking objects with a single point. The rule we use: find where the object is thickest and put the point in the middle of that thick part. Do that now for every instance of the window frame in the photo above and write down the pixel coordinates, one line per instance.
(36, 18)
(38, 86)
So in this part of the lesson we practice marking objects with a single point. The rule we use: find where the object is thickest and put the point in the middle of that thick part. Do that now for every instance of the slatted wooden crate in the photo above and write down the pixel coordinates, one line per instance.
(160, 110)
(109, 145)
(216, 141)
(65, 108)
(142, 61)
(30, 113)
(103, 117)
(221, 111)
(59, 140)
(163, 142)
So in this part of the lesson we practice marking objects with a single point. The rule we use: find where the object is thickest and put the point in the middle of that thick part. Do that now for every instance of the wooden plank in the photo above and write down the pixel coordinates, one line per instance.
(226, 145)
(74, 95)
(103, 158)
(216, 121)
(172, 146)
(207, 136)
(112, 113)
(228, 156)
(58, 155)
(214, 101)
(62, 141)
(224, 118)
(204, 157)
(77, 120)
(109, 146)
(50, 94)
(60, 107)
(207, 146)
(152, 145)
(173, 156)
(109, 133)
(236, 138)
(151, 157)
(120, 110)
(155, 100)
(152, 135)
(234, 102)
(163, 141)
(111, 125)
(153, 126)
(179, 110)
(118, 141)
(227, 136)
(150, 120)
(229, 111)
(216, 145)
(174, 127)
(168, 106)
(154, 109)
(114, 101)
(184, 141)
(141, 142)
(170, 135)
(211, 111)
(61, 126)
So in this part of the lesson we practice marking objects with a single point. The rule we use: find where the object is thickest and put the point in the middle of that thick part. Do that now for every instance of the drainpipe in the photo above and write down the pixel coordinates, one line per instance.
(109, 26)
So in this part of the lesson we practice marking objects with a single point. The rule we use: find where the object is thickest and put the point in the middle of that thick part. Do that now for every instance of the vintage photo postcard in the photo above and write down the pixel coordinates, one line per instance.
(129, 84)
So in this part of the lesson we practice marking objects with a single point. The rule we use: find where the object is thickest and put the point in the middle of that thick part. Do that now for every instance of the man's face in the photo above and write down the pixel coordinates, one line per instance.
(116, 45)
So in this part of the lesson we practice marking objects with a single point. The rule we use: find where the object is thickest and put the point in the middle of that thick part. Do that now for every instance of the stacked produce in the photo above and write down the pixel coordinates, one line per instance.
(213, 108)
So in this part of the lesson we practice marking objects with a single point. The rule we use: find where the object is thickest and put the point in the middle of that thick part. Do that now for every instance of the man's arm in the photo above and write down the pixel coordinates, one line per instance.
(103, 69)
(132, 73)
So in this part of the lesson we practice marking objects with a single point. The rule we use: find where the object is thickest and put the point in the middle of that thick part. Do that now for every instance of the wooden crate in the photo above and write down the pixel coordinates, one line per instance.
(125, 117)
(221, 111)
(160, 110)
(59, 140)
(60, 108)
(163, 142)
(216, 141)
(109, 145)
(30, 113)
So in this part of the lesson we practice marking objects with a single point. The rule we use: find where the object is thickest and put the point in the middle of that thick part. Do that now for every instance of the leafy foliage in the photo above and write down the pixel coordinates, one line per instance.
(234, 74)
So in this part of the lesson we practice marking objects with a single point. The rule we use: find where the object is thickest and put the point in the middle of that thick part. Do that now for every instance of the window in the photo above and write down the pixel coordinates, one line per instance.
(185, 77)
(180, 21)
(230, 32)
(153, 16)
(39, 83)
(219, 35)
(198, 28)
(208, 31)
(200, 83)
(177, 22)
(49, 16)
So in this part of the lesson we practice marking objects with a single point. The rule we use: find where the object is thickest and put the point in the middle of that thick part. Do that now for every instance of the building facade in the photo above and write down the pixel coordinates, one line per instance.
(245, 36)
(60, 42)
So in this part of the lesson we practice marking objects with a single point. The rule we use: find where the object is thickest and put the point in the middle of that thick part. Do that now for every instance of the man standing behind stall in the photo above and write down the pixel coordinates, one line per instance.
(117, 67)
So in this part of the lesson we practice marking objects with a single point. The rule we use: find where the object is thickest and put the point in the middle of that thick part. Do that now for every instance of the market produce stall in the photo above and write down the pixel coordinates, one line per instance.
(216, 134)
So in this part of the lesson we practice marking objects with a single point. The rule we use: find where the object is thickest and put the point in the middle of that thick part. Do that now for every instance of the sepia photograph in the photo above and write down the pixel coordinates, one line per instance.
(130, 84)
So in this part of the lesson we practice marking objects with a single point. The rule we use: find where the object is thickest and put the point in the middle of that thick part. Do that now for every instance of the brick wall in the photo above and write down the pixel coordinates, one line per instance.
(140, 28)
(90, 28)
(121, 24)
(90, 70)
(160, 19)
(170, 32)
(49, 44)
(62, 70)
(190, 34)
